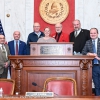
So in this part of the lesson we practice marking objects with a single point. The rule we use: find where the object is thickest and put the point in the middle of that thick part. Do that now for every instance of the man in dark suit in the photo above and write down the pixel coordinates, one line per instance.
(79, 36)
(92, 48)
(4, 61)
(16, 46)
(59, 35)
(34, 36)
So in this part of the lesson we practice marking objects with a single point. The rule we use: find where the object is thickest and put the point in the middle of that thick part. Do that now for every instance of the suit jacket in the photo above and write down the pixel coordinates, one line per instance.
(88, 48)
(80, 40)
(32, 37)
(64, 37)
(22, 48)
(3, 59)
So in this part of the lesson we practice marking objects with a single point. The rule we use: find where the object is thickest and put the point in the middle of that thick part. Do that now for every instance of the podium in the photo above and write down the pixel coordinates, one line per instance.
(64, 48)
(41, 65)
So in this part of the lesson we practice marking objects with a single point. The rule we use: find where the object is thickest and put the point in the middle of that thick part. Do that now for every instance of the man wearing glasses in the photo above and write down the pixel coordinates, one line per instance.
(59, 35)
(4, 61)
(34, 36)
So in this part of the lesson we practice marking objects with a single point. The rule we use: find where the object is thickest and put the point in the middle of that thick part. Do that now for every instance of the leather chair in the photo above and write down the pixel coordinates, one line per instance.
(61, 86)
(7, 86)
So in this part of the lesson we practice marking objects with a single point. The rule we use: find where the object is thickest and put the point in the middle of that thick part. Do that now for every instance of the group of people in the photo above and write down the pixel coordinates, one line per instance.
(83, 43)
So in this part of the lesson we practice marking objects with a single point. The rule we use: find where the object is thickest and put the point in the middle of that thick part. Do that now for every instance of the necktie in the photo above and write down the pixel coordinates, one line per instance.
(75, 34)
(94, 51)
(57, 37)
(16, 47)
(3, 50)
(4, 53)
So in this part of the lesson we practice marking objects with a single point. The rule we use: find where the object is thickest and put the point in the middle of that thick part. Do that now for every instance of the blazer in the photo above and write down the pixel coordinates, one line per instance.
(80, 40)
(88, 48)
(3, 59)
(32, 37)
(64, 37)
(22, 48)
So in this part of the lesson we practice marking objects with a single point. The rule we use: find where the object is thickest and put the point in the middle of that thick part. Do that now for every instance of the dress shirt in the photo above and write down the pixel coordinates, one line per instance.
(4, 49)
(78, 31)
(15, 44)
(96, 41)
(38, 34)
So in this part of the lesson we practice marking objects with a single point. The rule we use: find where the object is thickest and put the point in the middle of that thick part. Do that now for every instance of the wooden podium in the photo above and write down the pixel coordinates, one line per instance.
(37, 68)
(51, 48)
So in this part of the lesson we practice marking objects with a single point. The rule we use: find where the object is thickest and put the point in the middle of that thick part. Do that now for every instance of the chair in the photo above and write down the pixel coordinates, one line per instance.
(61, 86)
(8, 86)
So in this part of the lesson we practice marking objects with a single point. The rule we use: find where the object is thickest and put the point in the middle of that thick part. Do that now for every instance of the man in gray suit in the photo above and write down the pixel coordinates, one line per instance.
(4, 62)
(92, 48)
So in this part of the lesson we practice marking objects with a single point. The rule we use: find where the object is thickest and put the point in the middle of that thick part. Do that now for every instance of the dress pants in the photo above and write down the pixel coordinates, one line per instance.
(96, 78)
(4, 74)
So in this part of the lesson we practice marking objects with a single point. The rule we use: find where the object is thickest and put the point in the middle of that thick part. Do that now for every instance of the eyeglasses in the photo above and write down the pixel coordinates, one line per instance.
(58, 27)
(2, 38)
(36, 26)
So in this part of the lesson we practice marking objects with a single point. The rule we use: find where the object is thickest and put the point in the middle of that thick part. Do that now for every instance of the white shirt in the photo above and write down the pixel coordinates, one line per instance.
(38, 34)
(15, 44)
(78, 31)
(4, 48)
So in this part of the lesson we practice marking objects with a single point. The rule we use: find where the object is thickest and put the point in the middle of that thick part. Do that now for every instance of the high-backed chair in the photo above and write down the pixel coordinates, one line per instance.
(61, 86)
(8, 86)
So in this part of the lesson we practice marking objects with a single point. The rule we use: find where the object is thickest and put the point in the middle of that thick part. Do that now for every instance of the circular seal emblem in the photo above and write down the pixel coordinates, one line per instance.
(54, 11)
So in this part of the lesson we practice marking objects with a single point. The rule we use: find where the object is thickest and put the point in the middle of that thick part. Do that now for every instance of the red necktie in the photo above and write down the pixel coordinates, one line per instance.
(16, 47)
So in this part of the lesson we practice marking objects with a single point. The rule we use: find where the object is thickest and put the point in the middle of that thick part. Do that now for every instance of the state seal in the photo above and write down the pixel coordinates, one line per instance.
(54, 11)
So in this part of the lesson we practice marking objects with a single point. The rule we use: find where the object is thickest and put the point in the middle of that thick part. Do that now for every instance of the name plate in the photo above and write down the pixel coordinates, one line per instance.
(51, 50)
(39, 94)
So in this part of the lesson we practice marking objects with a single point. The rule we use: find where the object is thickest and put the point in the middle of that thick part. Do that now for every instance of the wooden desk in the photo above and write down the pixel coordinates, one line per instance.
(28, 69)
(64, 98)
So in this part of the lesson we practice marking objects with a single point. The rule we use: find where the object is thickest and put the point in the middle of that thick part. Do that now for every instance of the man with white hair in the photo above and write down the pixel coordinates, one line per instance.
(59, 35)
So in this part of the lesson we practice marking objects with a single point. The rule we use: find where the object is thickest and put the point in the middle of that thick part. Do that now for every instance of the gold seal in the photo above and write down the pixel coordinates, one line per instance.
(54, 11)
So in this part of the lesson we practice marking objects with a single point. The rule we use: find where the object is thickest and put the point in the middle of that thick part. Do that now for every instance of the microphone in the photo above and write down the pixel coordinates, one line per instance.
(33, 83)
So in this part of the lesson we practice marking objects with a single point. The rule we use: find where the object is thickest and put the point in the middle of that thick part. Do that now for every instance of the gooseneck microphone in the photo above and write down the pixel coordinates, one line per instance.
(33, 83)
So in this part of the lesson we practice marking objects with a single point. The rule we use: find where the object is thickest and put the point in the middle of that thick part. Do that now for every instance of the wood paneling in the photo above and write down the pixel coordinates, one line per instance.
(55, 98)
(28, 69)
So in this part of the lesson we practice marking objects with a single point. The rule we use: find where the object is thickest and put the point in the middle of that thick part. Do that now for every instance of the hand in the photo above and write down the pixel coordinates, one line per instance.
(97, 57)
(6, 64)
(92, 54)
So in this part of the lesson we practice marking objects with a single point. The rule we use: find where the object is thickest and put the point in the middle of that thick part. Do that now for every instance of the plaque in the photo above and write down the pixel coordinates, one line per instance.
(51, 50)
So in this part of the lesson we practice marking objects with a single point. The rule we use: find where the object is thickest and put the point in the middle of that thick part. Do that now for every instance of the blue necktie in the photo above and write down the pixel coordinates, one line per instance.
(94, 51)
